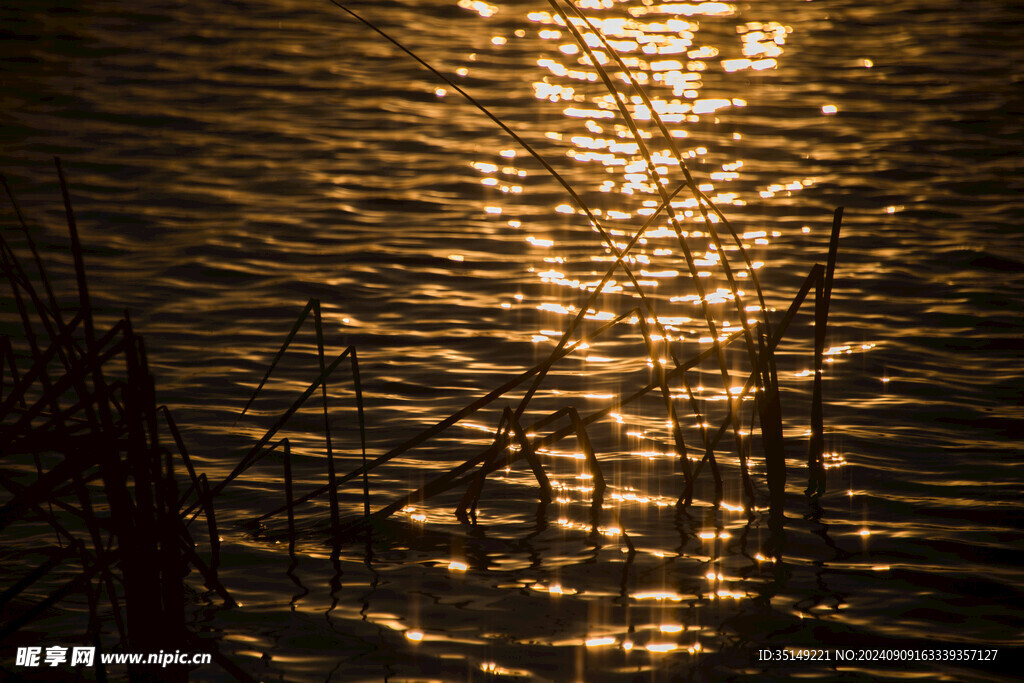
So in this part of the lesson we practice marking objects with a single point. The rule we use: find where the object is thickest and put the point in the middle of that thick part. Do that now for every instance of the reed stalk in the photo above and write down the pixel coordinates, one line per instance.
(288, 494)
(822, 299)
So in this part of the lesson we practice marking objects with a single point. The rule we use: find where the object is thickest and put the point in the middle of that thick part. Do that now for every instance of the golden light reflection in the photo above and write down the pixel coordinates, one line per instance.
(667, 47)
(494, 669)
(711, 535)
(660, 53)
(661, 647)
(555, 589)
(670, 596)
(600, 641)
(482, 8)
(834, 460)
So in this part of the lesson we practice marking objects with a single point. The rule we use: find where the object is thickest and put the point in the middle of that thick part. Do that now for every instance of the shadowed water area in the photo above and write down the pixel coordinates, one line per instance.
(230, 161)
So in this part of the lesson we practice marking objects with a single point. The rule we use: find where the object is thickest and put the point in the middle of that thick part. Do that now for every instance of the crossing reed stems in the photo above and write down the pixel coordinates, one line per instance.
(86, 402)
(761, 354)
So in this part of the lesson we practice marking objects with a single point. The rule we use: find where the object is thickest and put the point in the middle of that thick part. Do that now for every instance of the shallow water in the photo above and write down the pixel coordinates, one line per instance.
(230, 162)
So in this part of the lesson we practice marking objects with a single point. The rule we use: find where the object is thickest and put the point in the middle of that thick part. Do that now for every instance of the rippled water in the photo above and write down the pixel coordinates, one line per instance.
(228, 162)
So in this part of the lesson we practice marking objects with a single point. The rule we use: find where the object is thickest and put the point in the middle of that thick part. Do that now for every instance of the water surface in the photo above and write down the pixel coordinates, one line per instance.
(230, 162)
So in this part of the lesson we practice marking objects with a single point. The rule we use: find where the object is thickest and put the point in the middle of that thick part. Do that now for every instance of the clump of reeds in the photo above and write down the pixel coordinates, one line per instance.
(87, 450)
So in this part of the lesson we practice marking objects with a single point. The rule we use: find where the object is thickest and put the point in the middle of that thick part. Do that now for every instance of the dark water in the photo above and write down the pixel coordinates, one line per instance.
(230, 161)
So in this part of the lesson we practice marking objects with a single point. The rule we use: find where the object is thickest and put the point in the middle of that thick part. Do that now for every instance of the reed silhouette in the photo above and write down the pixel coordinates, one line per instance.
(760, 339)
(89, 452)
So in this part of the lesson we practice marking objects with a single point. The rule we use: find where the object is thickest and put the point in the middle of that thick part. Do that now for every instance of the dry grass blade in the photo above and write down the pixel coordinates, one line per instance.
(85, 304)
(310, 305)
(709, 451)
(776, 469)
